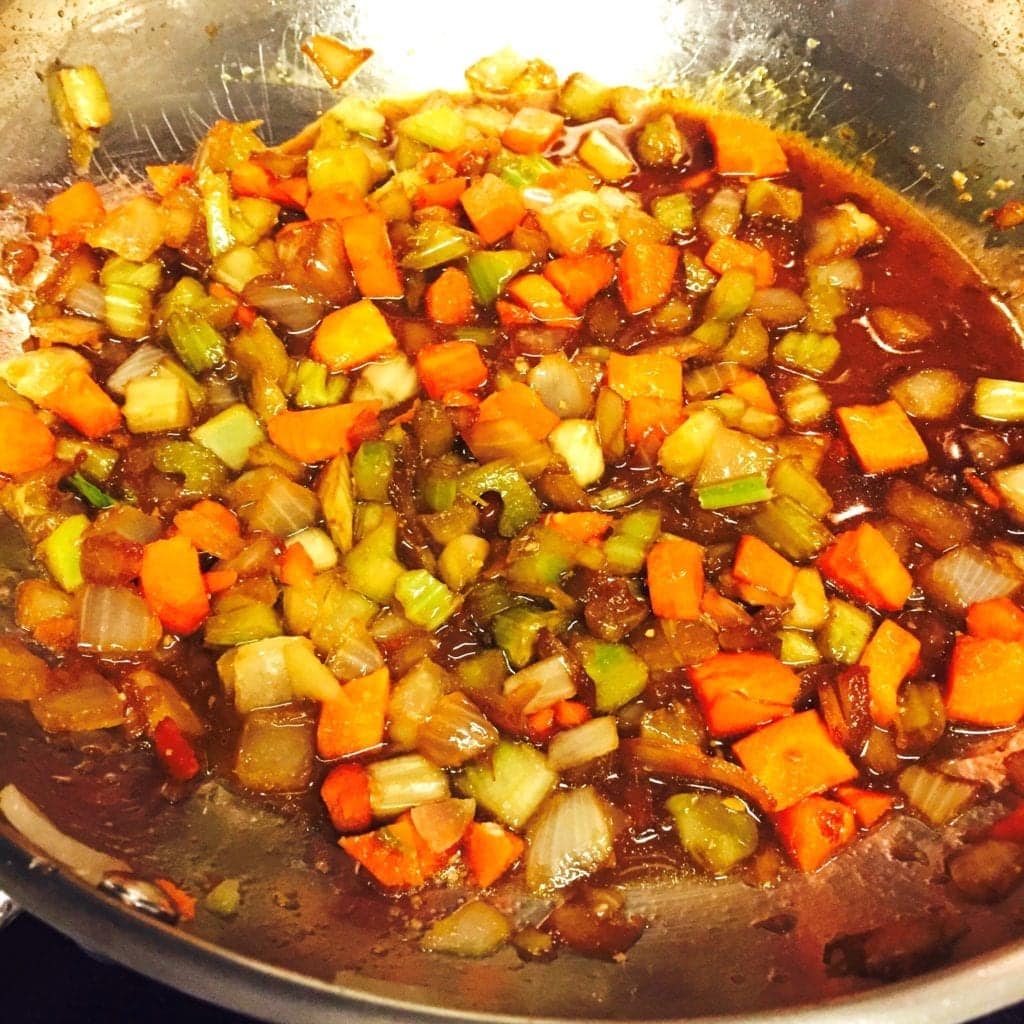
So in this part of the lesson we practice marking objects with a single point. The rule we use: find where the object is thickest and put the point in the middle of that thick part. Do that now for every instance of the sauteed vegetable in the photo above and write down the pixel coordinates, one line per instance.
(563, 480)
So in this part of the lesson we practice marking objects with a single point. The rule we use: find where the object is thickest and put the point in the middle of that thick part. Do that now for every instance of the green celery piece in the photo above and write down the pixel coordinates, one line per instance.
(118, 270)
(798, 648)
(485, 671)
(442, 127)
(241, 625)
(807, 352)
(61, 551)
(128, 310)
(792, 478)
(88, 491)
(741, 490)
(433, 243)
(482, 336)
(199, 346)
(712, 334)
(216, 193)
(440, 492)
(238, 266)
(699, 277)
(748, 344)
(789, 528)
(372, 466)
(204, 474)
(511, 784)
(95, 460)
(231, 435)
(488, 599)
(543, 567)
(626, 549)
(426, 601)
(619, 676)
(315, 387)
(516, 630)
(583, 98)
(257, 349)
(731, 295)
(490, 270)
(224, 898)
(847, 631)
(371, 567)
(715, 834)
(252, 218)
(674, 212)
(523, 170)
(520, 506)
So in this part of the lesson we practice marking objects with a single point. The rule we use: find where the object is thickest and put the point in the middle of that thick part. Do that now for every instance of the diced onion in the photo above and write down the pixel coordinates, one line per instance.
(412, 701)
(442, 823)
(586, 742)
(89, 864)
(400, 783)
(508, 439)
(476, 929)
(778, 307)
(283, 303)
(845, 273)
(139, 364)
(357, 654)
(542, 685)
(967, 575)
(571, 839)
(115, 619)
(933, 794)
(456, 732)
(284, 509)
(559, 387)
(87, 299)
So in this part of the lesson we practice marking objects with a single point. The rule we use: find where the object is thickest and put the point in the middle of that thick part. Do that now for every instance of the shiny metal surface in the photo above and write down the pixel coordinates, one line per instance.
(9, 910)
(923, 88)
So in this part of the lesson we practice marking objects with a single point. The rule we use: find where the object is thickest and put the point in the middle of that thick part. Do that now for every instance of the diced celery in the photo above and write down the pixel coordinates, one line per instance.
(86, 96)
(156, 405)
(520, 506)
(523, 170)
(583, 98)
(127, 309)
(511, 784)
(699, 277)
(660, 143)
(357, 114)
(257, 349)
(626, 549)
(789, 528)
(798, 648)
(216, 193)
(224, 898)
(599, 153)
(344, 168)
(619, 676)
(999, 400)
(684, 449)
(805, 403)
(770, 199)
(748, 344)
(484, 671)
(241, 625)
(741, 490)
(462, 559)
(482, 336)
(442, 127)
(230, 435)
(717, 832)
(61, 552)
(238, 266)
(807, 352)
(426, 601)
(371, 567)
(516, 630)
(95, 460)
(810, 604)
(825, 302)
(674, 211)
(440, 491)
(89, 491)
(731, 296)
(576, 441)
(673, 316)
(847, 631)
(204, 474)
(199, 346)
(434, 242)
(372, 466)
(118, 270)
(476, 929)
(315, 387)
(791, 478)
(490, 270)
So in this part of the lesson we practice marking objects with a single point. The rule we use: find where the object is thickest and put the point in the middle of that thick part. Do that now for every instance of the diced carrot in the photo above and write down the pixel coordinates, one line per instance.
(754, 390)
(814, 830)
(446, 193)
(396, 854)
(868, 805)
(165, 178)
(646, 272)
(354, 720)
(865, 565)
(532, 130)
(293, 192)
(762, 566)
(697, 180)
(742, 690)
(174, 751)
(351, 336)
(585, 527)
(80, 401)
(56, 634)
(890, 656)
(346, 794)
(490, 851)
(76, 209)
(449, 298)
(493, 206)
(794, 758)
(745, 147)
(249, 178)
(312, 435)
(183, 902)
(26, 443)
(521, 404)
(219, 580)
(1010, 827)
(570, 713)
(334, 204)
(542, 300)
(212, 527)
(172, 584)
(650, 420)
(985, 683)
(511, 315)
(728, 253)
(296, 568)
(882, 436)
(998, 618)
(647, 375)
(540, 725)
(450, 366)
(675, 579)
(335, 61)
(983, 489)
(369, 251)
(580, 278)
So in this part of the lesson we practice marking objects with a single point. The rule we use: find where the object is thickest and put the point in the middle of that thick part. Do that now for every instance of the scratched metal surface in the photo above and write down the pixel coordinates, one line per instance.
(924, 88)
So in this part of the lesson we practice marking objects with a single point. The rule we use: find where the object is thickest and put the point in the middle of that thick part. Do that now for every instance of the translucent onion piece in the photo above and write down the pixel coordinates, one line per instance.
(559, 387)
(400, 783)
(967, 575)
(129, 522)
(936, 796)
(139, 364)
(89, 864)
(115, 619)
(87, 299)
(456, 732)
(442, 823)
(586, 742)
(283, 303)
(476, 929)
(541, 685)
(284, 509)
(509, 439)
(357, 654)
(778, 307)
(845, 273)
(571, 839)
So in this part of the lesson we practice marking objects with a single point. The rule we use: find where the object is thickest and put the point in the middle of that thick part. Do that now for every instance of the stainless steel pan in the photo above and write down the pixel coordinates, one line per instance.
(924, 88)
